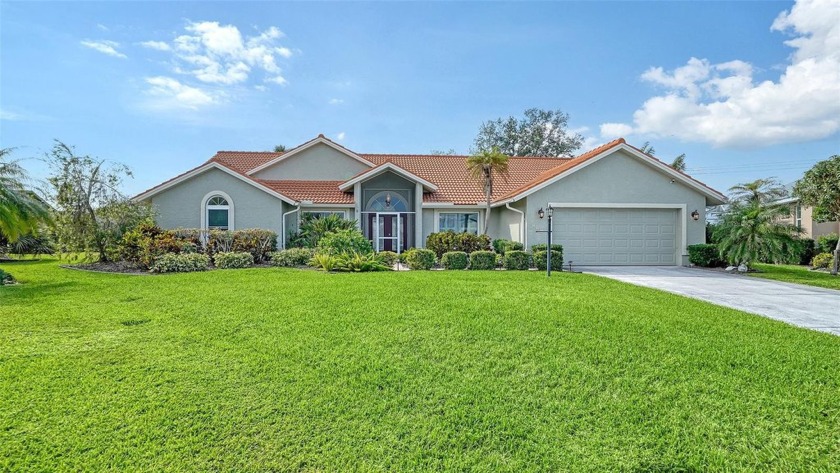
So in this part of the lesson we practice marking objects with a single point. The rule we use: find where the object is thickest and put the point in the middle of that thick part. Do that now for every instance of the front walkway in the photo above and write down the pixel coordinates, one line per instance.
(805, 306)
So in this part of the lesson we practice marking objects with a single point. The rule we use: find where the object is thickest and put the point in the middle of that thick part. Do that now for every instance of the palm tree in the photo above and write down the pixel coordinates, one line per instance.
(485, 165)
(679, 163)
(20, 209)
(761, 191)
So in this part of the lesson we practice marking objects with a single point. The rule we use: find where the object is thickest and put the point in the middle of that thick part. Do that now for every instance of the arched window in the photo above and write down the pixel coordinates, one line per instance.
(387, 202)
(218, 212)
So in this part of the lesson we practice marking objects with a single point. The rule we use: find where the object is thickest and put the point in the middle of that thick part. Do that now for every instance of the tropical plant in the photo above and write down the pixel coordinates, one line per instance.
(678, 163)
(751, 231)
(312, 229)
(344, 242)
(762, 191)
(6, 278)
(539, 133)
(325, 261)
(485, 166)
(34, 244)
(389, 258)
(501, 246)
(362, 262)
(820, 188)
(21, 210)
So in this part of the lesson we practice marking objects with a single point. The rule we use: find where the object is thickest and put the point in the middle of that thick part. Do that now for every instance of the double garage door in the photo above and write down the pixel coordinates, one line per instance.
(602, 236)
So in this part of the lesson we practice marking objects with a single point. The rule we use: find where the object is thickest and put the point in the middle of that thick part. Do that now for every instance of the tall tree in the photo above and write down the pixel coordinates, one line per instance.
(678, 163)
(279, 148)
(21, 210)
(762, 191)
(485, 166)
(820, 188)
(440, 152)
(539, 133)
(91, 210)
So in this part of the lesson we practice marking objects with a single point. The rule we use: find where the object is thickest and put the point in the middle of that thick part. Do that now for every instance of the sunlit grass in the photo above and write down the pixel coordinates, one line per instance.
(797, 274)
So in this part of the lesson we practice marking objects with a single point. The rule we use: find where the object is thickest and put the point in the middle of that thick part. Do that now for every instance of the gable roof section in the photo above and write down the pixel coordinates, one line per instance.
(319, 192)
(206, 167)
(382, 168)
(553, 175)
(320, 139)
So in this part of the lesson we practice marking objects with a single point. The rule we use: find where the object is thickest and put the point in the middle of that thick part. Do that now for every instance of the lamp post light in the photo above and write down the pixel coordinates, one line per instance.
(542, 213)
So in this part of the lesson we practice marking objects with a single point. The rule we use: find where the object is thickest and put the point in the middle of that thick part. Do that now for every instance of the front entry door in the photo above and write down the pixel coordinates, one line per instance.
(388, 231)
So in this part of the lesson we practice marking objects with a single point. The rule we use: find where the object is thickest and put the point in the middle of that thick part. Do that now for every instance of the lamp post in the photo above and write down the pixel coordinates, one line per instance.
(542, 213)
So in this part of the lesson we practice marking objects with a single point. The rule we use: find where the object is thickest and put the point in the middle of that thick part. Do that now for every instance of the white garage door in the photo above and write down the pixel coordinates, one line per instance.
(595, 236)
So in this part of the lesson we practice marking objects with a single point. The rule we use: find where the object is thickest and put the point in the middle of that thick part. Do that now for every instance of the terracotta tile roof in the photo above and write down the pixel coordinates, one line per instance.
(319, 192)
(244, 161)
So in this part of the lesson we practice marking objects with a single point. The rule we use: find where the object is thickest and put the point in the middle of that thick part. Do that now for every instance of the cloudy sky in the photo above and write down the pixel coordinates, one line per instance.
(745, 89)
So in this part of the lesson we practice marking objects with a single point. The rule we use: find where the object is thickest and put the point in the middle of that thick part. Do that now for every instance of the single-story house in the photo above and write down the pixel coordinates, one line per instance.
(613, 205)
(803, 217)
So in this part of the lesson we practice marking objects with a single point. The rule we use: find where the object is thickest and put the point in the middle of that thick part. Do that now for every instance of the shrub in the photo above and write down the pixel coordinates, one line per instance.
(805, 251)
(292, 257)
(6, 278)
(344, 242)
(454, 260)
(180, 263)
(705, 256)
(543, 246)
(556, 260)
(482, 260)
(219, 241)
(502, 246)
(418, 258)
(312, 229)
(517, 259)
(358, 262)
(35, 244)
(443, 242)
(325, 261)
(827, 243)
(233, 260)
(256, 241)
(389, 258)
(822, 261)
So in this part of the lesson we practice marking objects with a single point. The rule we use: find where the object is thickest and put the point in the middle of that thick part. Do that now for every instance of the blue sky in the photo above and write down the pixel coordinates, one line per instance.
(745, 89)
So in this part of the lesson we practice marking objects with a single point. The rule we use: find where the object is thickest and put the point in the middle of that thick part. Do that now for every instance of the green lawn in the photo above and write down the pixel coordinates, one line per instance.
(277, 369)
(796, 274)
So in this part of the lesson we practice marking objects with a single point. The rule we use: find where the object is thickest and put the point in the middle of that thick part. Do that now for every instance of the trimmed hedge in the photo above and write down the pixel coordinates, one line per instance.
(482, 260)
(389, 258)
(822, 260)
(705, 256)
(233, 260)
(418, 258)
(517, 260)
(502, 246)
(540, 258)
(543, 246)
(444, 242)
(292, 257)
(180, 263)
(454, 260)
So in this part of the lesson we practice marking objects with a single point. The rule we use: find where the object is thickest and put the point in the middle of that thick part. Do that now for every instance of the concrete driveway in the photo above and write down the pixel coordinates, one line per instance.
(803, 306)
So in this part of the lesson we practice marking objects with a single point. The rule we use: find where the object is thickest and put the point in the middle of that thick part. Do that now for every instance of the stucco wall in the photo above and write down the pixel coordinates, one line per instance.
(180, 205)
(505, 223)
(319, 162)
(619, 178)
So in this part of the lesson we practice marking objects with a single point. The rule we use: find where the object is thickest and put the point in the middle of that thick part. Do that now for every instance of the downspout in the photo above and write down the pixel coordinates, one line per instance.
(521, 225)
(283, 224)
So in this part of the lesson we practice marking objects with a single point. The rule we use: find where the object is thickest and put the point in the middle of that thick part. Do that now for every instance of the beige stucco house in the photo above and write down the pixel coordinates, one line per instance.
(802, 216)
(613, 205)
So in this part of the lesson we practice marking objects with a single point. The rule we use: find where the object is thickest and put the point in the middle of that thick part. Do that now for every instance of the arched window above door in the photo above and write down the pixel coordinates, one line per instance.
(387, 202)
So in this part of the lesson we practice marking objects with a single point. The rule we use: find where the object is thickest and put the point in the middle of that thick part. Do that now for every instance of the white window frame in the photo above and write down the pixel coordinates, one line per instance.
(797, 215)
(205, 208)
(439, 213)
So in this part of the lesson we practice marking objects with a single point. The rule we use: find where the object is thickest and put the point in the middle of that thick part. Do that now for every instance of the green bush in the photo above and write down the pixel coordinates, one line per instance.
(556, 260)
(454, 260)
(292, 257)
(418, 258)
(180, 263)
(806, 249)
(233, 260)
(822, 261)
(705, 256)
(502, 246)
(517, 259)
(344, 242)
(444, 242)
(482, 260)
(389, 258)
(358, 262)
(325, 261)
(827, 243)
(312, 229)
(260, 243)
(6, 278)
(543, 246)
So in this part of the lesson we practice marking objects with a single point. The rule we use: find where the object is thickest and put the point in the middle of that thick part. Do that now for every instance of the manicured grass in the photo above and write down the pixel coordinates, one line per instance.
(797, 274)
(276, 369)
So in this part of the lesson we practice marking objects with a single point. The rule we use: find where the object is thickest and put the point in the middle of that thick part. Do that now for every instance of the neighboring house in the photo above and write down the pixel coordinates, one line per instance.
(802, 216)
(614, 205)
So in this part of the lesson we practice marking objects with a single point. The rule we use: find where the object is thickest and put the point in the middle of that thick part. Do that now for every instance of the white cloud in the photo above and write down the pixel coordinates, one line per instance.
(104, 47)
(721, 104)
(340, 136)
(336, 101)
(220, 54)
(169, 93)
(159, 45)
(102, 27)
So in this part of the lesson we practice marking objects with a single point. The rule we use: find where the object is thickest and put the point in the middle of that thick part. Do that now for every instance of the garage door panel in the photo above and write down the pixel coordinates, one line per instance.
(617, 236)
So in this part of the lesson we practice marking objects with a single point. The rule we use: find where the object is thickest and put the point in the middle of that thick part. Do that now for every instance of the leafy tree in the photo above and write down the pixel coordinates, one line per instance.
(279, 148)
(539, 133)
(21, 210)
(485, 165)
(91, 213)
(648, 148)
(751, 228)
(678, 163)
(820, 188)
(440, 152)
